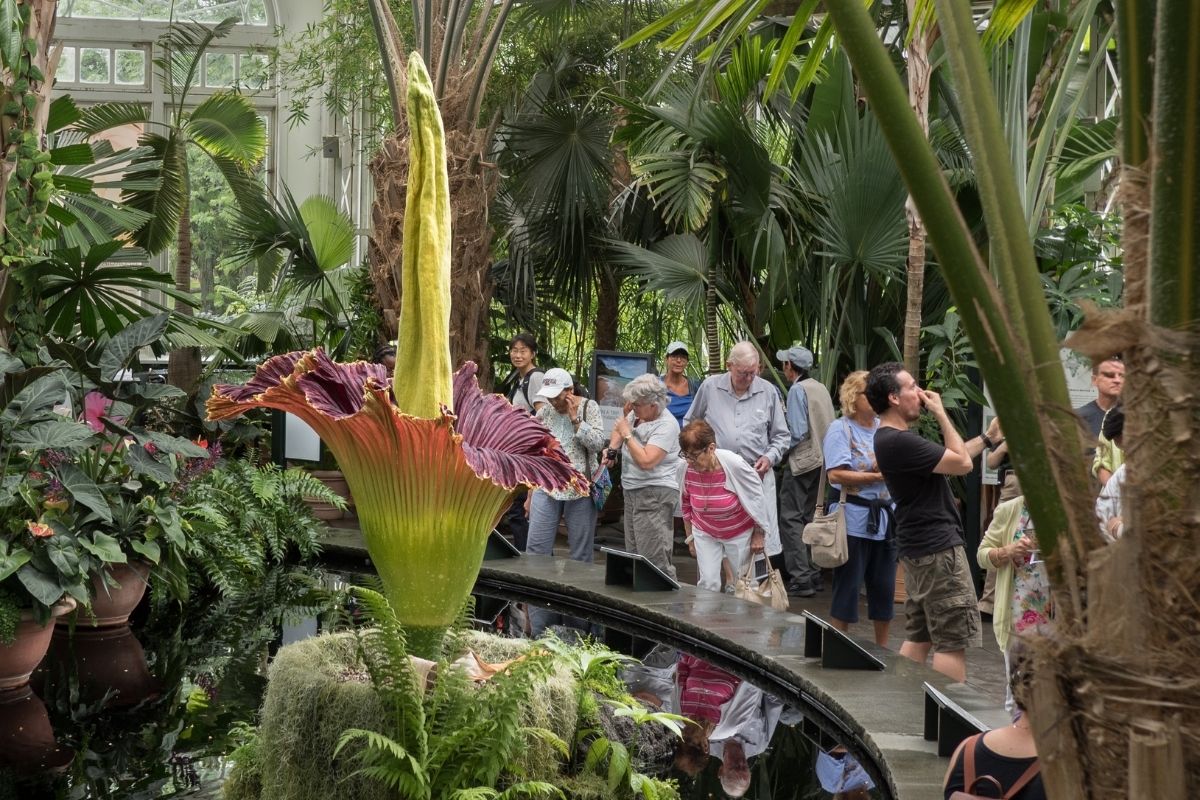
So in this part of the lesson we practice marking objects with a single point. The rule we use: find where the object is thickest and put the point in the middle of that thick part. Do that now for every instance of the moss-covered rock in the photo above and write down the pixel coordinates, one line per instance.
(316, 690)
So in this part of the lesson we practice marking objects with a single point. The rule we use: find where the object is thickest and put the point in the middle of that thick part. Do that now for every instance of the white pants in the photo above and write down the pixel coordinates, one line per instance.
(711, 550)
(772, 545)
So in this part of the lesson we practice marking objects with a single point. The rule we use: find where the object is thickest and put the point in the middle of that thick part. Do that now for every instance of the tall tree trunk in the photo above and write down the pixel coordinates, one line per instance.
(183, 364)
(472, 184)
(919, 72)
(608, 308)
(22, 317)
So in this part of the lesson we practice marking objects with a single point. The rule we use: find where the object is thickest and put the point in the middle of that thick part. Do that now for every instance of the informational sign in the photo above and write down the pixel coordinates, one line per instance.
(611, 373)
(302, 442)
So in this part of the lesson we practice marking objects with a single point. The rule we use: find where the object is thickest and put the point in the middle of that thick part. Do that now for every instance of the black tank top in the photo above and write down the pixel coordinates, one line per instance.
(1005, 769)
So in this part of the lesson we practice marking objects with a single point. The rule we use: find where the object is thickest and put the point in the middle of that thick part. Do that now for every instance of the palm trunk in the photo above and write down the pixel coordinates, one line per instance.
(608, 307)
(919, 72)
(711, 335)
(183, 364)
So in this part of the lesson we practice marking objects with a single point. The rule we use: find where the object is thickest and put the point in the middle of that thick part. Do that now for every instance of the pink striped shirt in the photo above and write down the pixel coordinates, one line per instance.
(711, 507)
(703, 688)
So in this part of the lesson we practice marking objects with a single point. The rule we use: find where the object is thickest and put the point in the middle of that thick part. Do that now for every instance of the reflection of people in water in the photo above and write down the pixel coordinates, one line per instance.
(734, 721)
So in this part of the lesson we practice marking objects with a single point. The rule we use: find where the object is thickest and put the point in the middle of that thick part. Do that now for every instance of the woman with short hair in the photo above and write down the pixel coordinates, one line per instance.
(849, 449)
(649, 440)
(724, 509)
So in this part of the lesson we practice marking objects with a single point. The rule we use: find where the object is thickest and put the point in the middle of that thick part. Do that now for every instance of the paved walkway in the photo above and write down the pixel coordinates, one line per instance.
(985, 665)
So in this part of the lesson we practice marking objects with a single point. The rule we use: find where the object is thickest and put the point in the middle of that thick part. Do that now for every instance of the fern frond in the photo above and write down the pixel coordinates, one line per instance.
(548, 737)
(528, 790)
(385, 653)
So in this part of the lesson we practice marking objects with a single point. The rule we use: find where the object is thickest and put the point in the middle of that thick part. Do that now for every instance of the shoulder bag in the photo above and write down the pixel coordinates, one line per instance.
(826, 534)
(770, 591)
(970, 779)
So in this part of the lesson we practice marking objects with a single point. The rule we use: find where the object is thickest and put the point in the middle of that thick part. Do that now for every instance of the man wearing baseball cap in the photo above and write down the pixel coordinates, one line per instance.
(809, 412)
(681, 389)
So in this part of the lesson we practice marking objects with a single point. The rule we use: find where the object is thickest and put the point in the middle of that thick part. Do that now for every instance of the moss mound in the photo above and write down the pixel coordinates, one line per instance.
(316, 691)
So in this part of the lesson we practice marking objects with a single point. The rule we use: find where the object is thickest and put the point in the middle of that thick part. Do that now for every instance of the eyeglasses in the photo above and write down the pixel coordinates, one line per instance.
(692, 457)
(744, 373)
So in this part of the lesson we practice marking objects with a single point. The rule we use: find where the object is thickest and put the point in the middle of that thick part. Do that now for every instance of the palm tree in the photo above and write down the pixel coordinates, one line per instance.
(713, 162)
(304, 250)
(224, 127)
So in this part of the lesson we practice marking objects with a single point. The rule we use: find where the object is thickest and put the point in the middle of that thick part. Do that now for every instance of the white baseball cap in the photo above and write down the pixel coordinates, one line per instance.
(675, 347)
(554, 381)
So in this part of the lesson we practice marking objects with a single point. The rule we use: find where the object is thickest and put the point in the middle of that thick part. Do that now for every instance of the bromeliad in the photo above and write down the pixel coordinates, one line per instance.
(430, 473)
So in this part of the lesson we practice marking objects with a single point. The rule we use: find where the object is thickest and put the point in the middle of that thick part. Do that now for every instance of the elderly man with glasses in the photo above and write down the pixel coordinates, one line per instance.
(747, 415)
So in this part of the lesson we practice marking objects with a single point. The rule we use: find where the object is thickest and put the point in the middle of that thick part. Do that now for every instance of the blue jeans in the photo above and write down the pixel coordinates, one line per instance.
(544, 514)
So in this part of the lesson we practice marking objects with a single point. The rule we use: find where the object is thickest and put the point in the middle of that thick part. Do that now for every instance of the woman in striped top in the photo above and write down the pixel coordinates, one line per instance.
(724, 511)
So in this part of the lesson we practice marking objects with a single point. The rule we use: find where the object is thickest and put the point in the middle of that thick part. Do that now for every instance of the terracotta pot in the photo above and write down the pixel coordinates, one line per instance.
(27, 744)
(112, 605)
(336, 482)
(17, 660)
(108, 661)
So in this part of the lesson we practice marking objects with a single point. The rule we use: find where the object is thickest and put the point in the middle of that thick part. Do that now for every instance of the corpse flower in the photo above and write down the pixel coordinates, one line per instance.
(430, 473)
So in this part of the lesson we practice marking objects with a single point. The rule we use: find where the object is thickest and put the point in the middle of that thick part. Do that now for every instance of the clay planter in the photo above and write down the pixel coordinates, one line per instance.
(108, 662)
(336, 481)
(112, 605)
(27, 744)
(17, 660)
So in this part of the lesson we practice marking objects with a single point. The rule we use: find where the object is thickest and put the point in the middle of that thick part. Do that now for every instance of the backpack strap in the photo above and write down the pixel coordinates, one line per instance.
(1029, 775)
(524, 386)
(969, 761)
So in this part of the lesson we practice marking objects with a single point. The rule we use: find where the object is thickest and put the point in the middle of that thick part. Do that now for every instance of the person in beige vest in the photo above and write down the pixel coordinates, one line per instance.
(809, 413)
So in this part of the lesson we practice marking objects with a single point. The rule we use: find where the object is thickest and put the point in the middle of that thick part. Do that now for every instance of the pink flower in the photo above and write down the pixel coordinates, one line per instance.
(39, 529)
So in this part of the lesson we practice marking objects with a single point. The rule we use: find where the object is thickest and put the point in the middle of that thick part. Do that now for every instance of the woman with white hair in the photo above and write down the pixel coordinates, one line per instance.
(649, 440)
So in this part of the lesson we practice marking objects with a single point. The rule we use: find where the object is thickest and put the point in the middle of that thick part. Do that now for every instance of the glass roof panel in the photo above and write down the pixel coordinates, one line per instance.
(250, 12)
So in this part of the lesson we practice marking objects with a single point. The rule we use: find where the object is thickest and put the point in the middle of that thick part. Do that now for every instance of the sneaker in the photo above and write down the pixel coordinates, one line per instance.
(801, 589)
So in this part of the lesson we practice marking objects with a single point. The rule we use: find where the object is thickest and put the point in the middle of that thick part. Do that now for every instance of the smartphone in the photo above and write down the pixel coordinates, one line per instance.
(762, 568)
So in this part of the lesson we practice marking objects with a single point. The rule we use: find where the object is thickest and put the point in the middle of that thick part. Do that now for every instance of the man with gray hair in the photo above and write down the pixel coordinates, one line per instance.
(809, 412)
(747, 415)
(649, 437)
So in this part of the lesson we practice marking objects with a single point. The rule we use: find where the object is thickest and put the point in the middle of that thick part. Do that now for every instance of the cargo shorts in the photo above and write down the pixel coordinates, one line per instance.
(941, 606)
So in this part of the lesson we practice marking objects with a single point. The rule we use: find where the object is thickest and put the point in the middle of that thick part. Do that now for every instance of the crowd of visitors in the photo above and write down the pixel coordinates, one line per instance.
(747, 463)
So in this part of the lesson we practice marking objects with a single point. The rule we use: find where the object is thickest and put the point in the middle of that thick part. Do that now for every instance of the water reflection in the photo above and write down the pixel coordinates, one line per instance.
(146, 710)
(741, 741)
(153, 709)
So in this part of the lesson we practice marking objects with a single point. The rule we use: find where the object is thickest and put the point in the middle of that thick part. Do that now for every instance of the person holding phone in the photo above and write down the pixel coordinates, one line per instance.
(648, 438)
(1022, 602)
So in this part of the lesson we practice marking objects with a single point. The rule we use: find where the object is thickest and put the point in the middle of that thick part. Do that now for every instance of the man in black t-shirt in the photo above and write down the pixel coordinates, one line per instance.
(940, 612)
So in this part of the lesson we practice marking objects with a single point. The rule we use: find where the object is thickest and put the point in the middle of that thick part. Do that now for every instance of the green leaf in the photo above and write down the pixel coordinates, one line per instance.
(12, 560)
(104, 547)
(63, 112)
(147, 549)
(63, 551)
(71, 154)
(61, 434)
(176, 445)
(122, 347)
(84, 491)
(331, 232)
(30, 394)
(45, 589)
(105, 116)
(142, 463)
(227, 124)
(10, 33)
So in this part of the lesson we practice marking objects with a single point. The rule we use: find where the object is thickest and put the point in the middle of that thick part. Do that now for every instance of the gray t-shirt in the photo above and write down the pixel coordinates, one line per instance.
(530, 384)
(663, 433)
